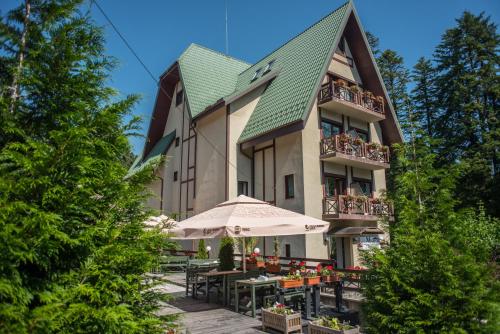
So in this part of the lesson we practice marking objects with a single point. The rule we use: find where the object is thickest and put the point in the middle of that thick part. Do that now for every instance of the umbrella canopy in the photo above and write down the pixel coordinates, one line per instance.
(246, 217)
(162, 221)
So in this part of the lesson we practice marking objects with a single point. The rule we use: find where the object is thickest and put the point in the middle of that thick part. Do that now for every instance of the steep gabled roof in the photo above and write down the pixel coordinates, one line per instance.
(207, 76)
(301, 61)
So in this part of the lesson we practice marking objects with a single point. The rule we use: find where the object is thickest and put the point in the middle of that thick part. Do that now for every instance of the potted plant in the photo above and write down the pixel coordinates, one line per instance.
(358, 141)
(292, 280)
(281, 318)
(273, 265)
(331, 326)
(255, 261)
(311, 278)
(326, 272)
(341, 82)
(356, 89)
(373, 146)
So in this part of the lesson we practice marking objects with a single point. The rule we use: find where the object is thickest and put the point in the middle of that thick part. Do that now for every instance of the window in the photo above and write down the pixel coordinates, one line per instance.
(362, 187)
(242, 188)
(289, 186)
(175, 176)
(256, 74)
(335, 185)
(178, 97)
(287, 250)
(330, 128)
(177, 141)
(358, 133)
(268, 66)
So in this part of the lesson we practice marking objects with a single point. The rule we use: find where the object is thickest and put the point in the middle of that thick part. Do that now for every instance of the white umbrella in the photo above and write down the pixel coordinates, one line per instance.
(246, 217)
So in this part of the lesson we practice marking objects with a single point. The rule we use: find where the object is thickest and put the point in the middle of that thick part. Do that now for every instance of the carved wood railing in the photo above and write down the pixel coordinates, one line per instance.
(365, 99)
(347, 145)
(356, 205)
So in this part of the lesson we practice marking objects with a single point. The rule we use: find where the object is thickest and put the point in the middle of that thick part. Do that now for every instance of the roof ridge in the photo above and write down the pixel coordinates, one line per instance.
(214, 51)
(296, 36)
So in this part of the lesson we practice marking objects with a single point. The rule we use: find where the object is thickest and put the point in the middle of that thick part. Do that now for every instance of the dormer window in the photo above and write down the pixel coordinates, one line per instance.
(268, 66)
(256, 74)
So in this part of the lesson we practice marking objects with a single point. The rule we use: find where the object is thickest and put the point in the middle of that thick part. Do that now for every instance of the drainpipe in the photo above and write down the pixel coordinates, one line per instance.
(161, 194)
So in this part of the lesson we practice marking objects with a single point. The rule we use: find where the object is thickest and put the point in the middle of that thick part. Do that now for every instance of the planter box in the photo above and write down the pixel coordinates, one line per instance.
(256, 266)
(284, 323)
(312, 280)
(317, 329)
(288, 283)
(330, 279)
(273, 268)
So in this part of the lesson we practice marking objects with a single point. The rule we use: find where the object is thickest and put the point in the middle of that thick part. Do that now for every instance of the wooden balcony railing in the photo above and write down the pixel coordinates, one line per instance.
(352, 94)
(345, 144)
(356, 205)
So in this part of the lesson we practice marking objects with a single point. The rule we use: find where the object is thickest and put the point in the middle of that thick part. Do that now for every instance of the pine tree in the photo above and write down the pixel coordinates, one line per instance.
(396, 78)
(431, 279)
(73, 250)
(202, 251)
(424, 95)
(468, 93)
(226, 253)
(373, 41)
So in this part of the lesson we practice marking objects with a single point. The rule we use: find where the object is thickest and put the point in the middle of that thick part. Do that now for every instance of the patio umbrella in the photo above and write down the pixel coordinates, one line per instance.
(246, 217)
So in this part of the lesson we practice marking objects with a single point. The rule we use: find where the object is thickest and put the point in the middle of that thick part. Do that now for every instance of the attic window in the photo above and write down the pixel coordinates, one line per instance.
(268, 66)
(178, 98)
(256, 74)
(342, 45)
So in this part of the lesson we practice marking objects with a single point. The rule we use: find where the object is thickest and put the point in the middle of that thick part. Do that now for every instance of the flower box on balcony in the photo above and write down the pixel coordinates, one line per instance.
(331, 326)
(285, 323)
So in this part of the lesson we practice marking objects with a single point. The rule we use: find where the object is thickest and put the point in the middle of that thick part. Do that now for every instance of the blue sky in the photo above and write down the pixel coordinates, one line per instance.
(160, 30)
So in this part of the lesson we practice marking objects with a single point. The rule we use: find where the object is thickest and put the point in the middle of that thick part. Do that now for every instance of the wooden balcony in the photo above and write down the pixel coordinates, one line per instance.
(351, 101)
(356, 208)
(345, 150)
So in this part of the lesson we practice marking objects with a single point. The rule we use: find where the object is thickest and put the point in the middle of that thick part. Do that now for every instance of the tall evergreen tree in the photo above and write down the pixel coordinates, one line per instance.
(73, 250)
(424, 95)
(396, 78)
(431, 279)
(468, 95)
(373, 41)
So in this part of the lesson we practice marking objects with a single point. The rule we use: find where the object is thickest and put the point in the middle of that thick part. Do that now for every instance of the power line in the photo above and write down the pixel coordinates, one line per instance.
(122, 37)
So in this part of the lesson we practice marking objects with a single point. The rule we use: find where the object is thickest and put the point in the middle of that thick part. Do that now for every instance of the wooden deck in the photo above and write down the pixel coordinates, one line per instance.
(199, 317)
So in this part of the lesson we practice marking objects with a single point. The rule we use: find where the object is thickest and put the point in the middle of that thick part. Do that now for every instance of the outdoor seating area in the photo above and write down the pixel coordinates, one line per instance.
(304, 293)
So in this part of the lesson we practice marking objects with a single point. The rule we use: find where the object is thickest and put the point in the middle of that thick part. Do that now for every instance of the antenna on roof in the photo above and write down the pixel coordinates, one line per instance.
(227, 39)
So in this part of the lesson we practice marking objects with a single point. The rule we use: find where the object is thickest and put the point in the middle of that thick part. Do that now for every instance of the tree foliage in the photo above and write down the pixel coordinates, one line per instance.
(202, 250)
(73, 250)
(226, 253)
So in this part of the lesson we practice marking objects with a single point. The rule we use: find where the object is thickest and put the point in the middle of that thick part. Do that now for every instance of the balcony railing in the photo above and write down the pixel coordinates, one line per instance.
(356, 147)
(356, 205)
(352, 94)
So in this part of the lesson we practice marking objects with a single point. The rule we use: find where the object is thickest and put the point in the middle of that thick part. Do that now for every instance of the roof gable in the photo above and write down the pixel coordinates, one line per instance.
(207, 76)
(301, 62)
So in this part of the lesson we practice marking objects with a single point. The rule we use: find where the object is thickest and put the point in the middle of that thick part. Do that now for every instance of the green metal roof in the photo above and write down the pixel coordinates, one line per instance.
(301, 62)
(207, 76)
(158, 150)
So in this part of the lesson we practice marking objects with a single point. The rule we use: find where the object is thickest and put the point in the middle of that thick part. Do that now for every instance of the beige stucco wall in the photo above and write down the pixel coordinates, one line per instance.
(210, 162)
(240, 167)
(342, 69)
(313, 190)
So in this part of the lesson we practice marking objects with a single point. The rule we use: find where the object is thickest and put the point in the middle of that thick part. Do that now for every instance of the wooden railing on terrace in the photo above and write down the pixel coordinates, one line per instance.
(345, 144)
(352, 94)
(357, 205)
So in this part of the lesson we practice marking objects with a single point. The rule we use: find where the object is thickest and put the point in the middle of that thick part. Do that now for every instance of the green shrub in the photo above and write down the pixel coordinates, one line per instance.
(226, 253)
(202, 250)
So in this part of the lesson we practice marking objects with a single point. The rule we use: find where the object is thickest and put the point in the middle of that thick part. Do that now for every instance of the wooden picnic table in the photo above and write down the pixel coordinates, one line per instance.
(310, 295)
(253, 284)
(215, 273)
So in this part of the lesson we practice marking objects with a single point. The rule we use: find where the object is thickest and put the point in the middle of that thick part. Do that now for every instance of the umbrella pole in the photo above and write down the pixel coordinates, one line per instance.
(243, 257)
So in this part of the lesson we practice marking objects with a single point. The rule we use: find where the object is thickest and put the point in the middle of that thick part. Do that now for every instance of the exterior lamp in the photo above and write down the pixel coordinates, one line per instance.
(256, 250)
(208, 248)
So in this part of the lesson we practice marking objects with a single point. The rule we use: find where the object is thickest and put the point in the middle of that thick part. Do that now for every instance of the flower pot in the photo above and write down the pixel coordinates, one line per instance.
(329, 279)
(314, 328)
(285, 323)
(273, 268)
(312, 280)
(291, 283)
